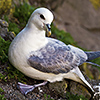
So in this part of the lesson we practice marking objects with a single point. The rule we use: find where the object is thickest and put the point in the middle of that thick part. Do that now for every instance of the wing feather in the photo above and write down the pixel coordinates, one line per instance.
(55, 57)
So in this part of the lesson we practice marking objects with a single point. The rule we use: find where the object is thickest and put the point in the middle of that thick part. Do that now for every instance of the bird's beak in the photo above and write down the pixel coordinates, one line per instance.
(48, 29)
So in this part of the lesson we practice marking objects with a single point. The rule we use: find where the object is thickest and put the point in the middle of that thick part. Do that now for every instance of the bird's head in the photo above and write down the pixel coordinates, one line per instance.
(42, 18)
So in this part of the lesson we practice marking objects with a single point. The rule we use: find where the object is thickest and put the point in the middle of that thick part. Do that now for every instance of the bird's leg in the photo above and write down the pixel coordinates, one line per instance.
(27, 88)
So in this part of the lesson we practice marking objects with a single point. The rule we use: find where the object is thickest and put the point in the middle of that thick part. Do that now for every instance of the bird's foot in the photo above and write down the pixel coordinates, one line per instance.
(96, 96)
(98, 88)
(28, 88)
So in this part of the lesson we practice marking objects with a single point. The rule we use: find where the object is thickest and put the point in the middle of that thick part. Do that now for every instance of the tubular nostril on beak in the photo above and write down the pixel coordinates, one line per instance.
(49, 27)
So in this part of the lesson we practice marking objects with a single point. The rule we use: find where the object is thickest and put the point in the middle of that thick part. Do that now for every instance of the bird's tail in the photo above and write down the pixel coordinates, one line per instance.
(93, 63)
(92, 55)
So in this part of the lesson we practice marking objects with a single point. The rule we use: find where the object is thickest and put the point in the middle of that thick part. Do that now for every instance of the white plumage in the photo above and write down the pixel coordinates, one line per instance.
(31, 39)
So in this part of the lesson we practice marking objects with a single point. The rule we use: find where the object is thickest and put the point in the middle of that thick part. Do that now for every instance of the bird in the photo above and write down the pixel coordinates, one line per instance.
(45, 58)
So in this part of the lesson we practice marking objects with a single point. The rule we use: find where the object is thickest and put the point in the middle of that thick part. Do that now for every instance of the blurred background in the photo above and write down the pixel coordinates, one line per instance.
(76, 22)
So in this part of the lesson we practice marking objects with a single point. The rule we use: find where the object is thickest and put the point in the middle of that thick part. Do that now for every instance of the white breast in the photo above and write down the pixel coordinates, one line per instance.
(23, 44)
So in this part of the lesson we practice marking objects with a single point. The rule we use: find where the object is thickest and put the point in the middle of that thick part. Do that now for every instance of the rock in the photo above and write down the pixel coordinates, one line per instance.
(60, 88)
(92, 72)
(82, 21)
(3, 23)
(51, 4)
(76, 88)
(4, 33)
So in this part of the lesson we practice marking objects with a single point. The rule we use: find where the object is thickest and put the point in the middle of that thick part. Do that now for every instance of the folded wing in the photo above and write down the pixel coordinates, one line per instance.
(55, 58)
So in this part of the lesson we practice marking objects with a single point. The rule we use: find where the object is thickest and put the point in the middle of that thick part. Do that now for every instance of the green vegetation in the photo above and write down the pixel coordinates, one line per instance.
(62, 35)
(6, 7)
(21, 16)
(23, 12)
(4, 45)
(3, 77)
(2, 96)
(47, 97)
(69, 96)
(10, 70)
(14, 27)
(1, 90)
(96, 3)
(97, 61)
(75, 97)
(13, 73)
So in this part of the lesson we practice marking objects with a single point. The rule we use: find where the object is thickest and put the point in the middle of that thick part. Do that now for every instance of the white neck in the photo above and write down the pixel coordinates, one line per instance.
(33, 37)
(30, 38)
(34, 30)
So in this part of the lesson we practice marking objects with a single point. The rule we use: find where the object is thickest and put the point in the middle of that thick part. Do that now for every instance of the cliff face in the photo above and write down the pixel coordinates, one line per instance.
(81, 20)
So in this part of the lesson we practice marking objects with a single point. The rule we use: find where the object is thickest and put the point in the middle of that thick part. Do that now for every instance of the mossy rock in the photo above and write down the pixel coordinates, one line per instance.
(59, 88)
(69, 89)
(78, 89)
(4, 32)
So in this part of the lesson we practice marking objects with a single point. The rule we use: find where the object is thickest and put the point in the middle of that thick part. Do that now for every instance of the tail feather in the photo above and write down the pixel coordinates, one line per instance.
(93, 64)
(92, 55)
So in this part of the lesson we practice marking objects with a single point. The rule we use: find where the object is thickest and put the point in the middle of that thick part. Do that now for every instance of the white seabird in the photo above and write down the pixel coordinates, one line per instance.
(44, 58)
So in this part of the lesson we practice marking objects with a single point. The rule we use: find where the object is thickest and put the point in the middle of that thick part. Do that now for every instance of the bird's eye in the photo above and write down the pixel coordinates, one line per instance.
(42, 17)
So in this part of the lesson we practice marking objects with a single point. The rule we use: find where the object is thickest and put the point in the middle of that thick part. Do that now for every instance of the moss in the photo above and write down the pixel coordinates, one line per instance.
(47, 97)
(97, 61)
(14, 27)
(62, 35)
(22, 13)
(20, 17)
(75, 97)
(4, 45)
(87, 71)
(11, 72)
(69, 96)
(96, 3)
(3, 77)
(2, 96)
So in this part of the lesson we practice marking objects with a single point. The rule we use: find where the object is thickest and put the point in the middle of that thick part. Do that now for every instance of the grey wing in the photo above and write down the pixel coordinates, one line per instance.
(80, 53)
(55, 58)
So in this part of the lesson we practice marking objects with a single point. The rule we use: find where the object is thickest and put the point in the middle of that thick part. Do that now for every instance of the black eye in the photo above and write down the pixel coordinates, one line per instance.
(42, 16)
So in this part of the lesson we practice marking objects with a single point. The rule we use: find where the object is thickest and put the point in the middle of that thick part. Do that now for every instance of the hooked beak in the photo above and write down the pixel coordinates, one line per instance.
(48, 29)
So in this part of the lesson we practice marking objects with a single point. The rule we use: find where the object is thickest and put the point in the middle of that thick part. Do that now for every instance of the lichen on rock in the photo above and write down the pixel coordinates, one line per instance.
(4, 32)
